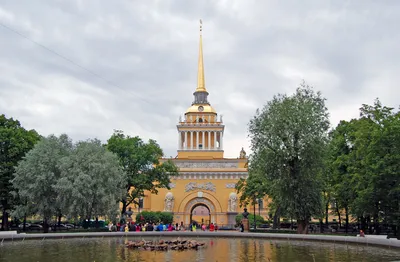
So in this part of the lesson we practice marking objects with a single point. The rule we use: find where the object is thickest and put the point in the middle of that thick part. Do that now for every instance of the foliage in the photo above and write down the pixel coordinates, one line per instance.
(365, 159)
(259, 219)
(166, 217)
(288, 140)
(251, 189)
(140, 162)
(339, 162)
(57, 177)
(15, 142)
(91, 181)
(154, 217)
(37, 175)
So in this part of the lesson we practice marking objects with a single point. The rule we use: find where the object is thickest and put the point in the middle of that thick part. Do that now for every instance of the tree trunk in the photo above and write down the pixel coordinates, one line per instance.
(327, 213)
(363, 224)
(124, 206)
(97, 222)
(302, 226)
(338, 214)
(369, 225)
(4, 221)
(45, 225)
(321, 225)
(24, 225)
(277, 219)
(59, 219)
(397, 231)
(346, 210)
(376, 219)
(376, 225)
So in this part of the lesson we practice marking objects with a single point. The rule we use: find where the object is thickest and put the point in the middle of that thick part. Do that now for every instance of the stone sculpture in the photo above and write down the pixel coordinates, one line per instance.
(242, 153)
(169, 202)
(232, 204)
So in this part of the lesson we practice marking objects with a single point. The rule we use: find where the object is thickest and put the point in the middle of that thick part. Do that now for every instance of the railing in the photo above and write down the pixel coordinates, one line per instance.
(187, 123)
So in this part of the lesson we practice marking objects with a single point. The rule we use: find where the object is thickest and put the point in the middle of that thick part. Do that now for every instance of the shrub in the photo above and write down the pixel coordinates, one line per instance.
(259, 219)
(155, 217)
(166, 217)
(275, 231)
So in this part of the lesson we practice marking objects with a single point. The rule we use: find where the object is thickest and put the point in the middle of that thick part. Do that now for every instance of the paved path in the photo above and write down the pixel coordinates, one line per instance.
(224, 234)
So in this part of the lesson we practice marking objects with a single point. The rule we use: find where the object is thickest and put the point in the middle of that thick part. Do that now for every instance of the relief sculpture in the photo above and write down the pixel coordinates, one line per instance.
(206, 164)
(201, 186)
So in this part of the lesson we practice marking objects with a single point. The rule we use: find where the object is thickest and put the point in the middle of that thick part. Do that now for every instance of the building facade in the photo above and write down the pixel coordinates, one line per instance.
(204, 191)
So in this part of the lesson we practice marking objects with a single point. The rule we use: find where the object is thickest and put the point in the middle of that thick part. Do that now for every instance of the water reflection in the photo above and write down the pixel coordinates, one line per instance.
(218, 249)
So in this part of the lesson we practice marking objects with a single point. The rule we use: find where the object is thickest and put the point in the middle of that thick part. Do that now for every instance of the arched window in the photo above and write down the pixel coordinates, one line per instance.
(200, 120)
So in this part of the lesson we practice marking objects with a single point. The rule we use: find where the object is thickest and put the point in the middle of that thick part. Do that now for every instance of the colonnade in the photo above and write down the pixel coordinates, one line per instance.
(211, 118)
(200, 142)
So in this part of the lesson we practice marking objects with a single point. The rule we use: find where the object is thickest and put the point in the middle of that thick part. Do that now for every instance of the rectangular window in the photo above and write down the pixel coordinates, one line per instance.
(200, 146)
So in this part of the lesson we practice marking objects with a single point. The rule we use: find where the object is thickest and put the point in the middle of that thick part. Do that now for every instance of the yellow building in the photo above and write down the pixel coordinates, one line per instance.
(205, 189)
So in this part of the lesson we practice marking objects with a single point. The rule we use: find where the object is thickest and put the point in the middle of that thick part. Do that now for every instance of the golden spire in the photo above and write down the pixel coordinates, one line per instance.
(201, 85)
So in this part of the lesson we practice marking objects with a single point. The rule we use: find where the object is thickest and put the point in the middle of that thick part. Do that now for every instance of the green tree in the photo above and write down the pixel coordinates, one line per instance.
(288, 140)
(91, 182)
(364, 159)
(36, 176)
(252, 189)
(15, 142)
(376, 165)
(140, 162)
(340, 161)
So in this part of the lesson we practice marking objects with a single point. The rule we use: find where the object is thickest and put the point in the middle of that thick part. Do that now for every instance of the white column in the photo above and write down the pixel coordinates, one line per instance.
(203, 144)
(215, 140)
(209, 140)
(180, 140)
(209, 118)
(191, 139)
(197, 140)
(186, 139)
(221, 142)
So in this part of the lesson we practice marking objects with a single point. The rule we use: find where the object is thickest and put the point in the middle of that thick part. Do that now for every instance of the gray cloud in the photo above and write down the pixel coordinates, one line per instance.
(144, 57)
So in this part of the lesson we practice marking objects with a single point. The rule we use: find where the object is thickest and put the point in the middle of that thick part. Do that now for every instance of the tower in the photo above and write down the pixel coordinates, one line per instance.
(200, 132)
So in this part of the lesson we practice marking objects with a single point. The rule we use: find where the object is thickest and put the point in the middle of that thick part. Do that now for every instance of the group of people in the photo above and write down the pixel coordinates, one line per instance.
(138, 227)
(212, 227)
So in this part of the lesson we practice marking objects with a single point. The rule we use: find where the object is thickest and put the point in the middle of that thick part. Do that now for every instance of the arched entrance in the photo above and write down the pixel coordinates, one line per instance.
(201, 214)
(202, 203)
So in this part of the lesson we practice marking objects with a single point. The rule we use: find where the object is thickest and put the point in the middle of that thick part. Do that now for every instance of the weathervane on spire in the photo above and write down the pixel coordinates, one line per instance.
(201, 26)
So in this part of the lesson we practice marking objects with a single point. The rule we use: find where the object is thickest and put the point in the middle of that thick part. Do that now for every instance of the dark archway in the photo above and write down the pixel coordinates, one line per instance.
(201, 214)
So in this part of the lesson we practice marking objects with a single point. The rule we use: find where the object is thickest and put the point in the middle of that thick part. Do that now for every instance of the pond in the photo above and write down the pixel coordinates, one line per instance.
(217, 249)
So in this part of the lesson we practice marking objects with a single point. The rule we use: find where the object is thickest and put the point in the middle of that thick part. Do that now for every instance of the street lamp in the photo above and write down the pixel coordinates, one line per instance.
(259, 206)
(140, 204)
(254, 204)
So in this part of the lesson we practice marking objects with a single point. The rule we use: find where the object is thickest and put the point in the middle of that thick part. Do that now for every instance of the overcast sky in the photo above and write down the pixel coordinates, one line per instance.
(139, 61)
